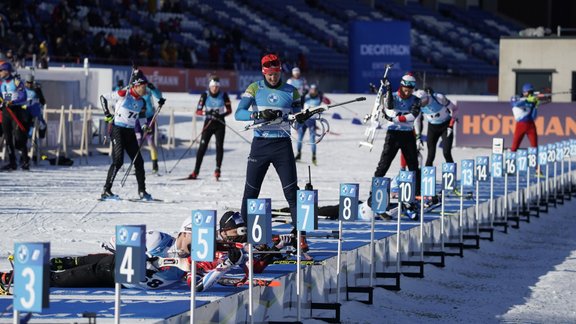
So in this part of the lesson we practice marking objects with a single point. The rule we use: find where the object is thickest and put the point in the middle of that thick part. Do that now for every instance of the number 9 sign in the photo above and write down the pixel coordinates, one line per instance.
(203, 235)
(380, 194)
(259, 221)
(348, 202)
(31, 276)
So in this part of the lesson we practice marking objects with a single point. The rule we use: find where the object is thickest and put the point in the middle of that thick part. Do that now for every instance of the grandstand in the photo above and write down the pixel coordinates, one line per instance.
(446, 42)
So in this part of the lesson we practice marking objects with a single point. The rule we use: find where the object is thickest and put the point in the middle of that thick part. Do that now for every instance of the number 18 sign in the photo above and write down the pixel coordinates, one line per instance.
(203, 234)
(31, 276)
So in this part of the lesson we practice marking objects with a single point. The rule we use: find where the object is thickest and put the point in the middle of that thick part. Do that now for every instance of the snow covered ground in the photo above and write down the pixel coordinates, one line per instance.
(527, 275)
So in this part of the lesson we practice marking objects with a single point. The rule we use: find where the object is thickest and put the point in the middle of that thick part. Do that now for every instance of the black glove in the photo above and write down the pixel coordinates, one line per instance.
(387, 117)
(214, 113)
(304, 116)
(161, 101)
(234, 255)
(151, 86)
(386, 84)
(268, 114)
(429, 90)
(415, 109)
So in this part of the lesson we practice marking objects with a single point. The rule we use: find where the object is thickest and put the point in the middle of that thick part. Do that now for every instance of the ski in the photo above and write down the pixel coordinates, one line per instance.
(112, 198)
(302, 262)
(153, 200)
(230, 281)
(374, 117)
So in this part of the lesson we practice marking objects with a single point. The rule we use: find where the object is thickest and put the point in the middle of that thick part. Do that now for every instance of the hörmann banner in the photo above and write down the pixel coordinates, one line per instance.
(479, 122)
(372, 45)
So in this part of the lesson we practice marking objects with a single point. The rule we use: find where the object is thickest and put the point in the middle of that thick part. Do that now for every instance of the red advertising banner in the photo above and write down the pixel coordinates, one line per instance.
(167, 79)
(479, 122)
(199, 80)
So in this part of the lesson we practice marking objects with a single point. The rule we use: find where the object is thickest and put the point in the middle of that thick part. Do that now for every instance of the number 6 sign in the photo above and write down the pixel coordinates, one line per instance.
(31, 284)
(203, 235)
(259, 221)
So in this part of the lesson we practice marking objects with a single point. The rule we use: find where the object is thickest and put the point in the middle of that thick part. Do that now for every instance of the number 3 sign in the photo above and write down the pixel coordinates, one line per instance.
(31, 284)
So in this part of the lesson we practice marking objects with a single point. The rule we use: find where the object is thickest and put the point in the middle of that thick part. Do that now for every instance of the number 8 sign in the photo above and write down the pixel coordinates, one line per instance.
(203, 235)
(348, 202)
(31, 284)
(259, 221)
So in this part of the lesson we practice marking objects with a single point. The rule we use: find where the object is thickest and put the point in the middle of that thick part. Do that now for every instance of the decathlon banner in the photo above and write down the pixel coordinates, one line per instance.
(479, 122)
(372, 45)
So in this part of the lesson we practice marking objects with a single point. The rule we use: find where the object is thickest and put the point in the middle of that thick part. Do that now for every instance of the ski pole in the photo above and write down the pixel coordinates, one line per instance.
(235, 131)
(191, 144)
(142, 141)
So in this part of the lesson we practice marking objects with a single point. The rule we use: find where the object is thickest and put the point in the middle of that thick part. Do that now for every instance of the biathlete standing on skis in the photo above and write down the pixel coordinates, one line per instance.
(215, 105)
(313, 98)
(441, 115)
(151, 90)
(128, 108)
(35, 101)
(525, 110)
(401, 110)
(15, 118)
(271, 101)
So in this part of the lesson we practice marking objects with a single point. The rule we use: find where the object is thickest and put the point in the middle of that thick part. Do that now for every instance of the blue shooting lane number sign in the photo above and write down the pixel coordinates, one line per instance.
(203, 235)
(259, 221)
(510, 162)
(497, 165)
(407, 186)
(348, 202)
(306, 210)
(559, 151)
(130, 257)
(448, 176)
(467, 176)
(380, 194)
(532, 157)
(551, 150)
(31, 276)
(542, 155)
(429, 181)
(566, 148)
(522, 160)
(572, 147)
(482, 168)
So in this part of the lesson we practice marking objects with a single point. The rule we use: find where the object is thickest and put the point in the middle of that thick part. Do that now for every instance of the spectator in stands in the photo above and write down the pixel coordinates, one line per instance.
(298, 81)
(313, 98)
(14, 118)
(440, 113)
(215, 105)
(525, 110)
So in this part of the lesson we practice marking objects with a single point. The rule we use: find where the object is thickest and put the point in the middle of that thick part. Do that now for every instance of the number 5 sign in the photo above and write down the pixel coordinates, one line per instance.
(130, 258)
(259, 221)
(31, 283)
(203, 235)
(348, 202)
(306, 206)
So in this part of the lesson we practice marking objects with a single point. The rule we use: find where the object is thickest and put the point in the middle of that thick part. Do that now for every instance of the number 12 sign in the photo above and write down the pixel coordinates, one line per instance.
(204, 235)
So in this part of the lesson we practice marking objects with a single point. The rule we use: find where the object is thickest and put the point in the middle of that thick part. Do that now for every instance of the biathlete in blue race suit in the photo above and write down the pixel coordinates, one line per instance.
(271, 99)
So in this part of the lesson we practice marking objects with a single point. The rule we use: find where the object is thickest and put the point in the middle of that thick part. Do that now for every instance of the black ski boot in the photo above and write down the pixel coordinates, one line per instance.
(154, 166)
(298, 156)
(108, 195)
(144, 195)
(9, 167)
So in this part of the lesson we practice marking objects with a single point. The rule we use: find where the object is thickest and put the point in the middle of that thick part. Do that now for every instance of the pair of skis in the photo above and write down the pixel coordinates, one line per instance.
(373, 119)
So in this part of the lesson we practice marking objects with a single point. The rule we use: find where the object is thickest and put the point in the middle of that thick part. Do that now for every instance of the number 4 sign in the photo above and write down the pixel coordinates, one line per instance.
(203, 235)
(130, 256)
(31, 284)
